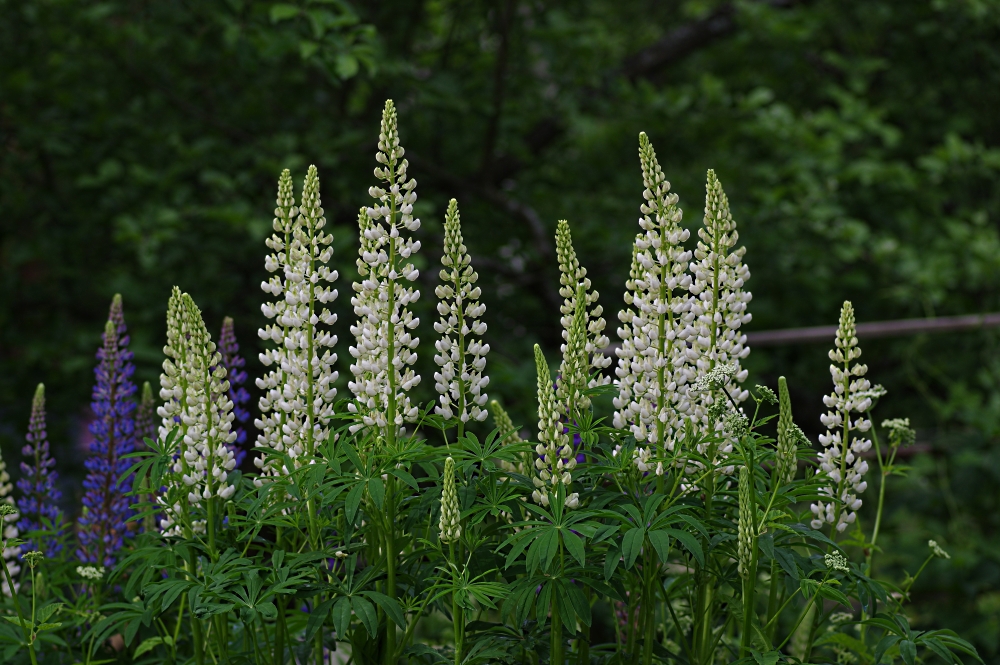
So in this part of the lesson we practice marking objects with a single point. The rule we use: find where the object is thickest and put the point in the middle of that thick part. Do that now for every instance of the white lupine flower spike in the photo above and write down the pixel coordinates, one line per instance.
(844, 441)
(299, 390)
(573, 278)
(555, 460)
(8, 528)
(194, 389)
(461, 353)
(720, 305)
(385, 348)
(450, 524)
(573, 371)
(653, 364)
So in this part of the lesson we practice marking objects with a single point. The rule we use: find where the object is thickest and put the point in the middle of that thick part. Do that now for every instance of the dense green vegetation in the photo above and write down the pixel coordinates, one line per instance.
(857, 142)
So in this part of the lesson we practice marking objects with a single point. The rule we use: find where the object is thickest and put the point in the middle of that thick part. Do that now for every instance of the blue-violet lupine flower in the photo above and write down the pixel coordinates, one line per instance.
(103, 525)
(234, 364)
(38, 482)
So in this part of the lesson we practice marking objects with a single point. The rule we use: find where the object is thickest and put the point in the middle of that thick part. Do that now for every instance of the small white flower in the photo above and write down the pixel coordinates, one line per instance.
(90, 572)
(936, 549)
(836, 561)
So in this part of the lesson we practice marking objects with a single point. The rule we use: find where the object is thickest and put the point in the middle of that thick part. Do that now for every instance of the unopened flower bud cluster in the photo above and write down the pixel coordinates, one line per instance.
(556, 459)
(450, 524)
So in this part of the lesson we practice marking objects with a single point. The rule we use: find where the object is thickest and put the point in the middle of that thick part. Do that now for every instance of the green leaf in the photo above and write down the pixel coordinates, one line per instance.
(908, 651)
(342, 617)
(376, 490)
(579, 602)
(661, 543)
(604, 533)
(307, 49)
(365, 611)
(346, 65)
(611, 560)
(353, 501)
(283, 11)
(632, 545)
(46, 612)
(147, 645)
(389, 605)
(690, 543)
(574, 545)
(769, 658)
(884, 645)
(52, 626)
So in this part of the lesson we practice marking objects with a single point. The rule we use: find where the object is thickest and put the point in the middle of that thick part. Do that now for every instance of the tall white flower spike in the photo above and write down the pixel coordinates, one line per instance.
(194, 389)
(573, 279)
(720, 306)
(384, 347)
(461, 353)
(298, 387)
(653, 360)
(8, 526)
(841, 458)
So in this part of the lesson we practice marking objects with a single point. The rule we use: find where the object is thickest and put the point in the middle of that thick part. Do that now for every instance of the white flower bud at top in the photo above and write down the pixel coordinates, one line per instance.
(450, 524)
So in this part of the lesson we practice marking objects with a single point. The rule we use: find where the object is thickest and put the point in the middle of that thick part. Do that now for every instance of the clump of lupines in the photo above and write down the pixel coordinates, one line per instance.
(555, 454)
(8, 528)
(107, 508)
(461, 353)
(450, 524)
(384, 348)
(298, 390)
(194, 388)
(719, 308)
(38, 480)
(653, 360)
(579, 302)
(234, 363)
(841, 459)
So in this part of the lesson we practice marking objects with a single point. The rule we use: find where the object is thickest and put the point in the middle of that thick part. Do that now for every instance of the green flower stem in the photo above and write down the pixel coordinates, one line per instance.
(390, 438)
(457, 613)
(649, 605)
(583, 642)
(17, 608)
(802, 616)
(749, 595)
(196, 629)
(772, 598)
(557, 640)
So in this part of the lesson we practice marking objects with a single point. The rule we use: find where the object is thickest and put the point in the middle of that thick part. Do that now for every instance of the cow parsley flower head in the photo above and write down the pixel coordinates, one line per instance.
(461, 353)
(8, 527)
(385, 348)
(572, 280)
(194, 388)
(844, 441)
(936, 549)
(92, 573)
(38, 480)
(556, 459)
(653, 360)
(720, 303)
(298, 387)
(789, 435)
(234, 364)
(107, 508)
(900, 432)
(836, 561)
(450, 524)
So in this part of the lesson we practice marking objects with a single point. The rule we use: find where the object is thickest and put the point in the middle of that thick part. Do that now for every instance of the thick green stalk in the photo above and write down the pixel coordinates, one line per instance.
(17, 608)
(749, 594)
(772, 598)
(583, 642)
(649, 607)
(557, 639)
(457, 613)
(197, 636)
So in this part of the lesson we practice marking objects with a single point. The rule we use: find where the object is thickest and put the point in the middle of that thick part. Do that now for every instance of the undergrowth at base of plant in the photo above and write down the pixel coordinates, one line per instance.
(698, 525)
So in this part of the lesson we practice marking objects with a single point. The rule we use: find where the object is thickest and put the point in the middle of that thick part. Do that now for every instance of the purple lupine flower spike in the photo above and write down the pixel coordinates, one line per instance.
(38, 482)
(104, 523)
(234, 363)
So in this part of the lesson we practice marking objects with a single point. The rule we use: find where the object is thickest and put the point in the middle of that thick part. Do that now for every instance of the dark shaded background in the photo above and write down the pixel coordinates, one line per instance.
(140, 144)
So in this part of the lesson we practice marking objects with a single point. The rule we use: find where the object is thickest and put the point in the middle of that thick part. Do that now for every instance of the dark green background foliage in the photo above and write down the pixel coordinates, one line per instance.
(140, 144)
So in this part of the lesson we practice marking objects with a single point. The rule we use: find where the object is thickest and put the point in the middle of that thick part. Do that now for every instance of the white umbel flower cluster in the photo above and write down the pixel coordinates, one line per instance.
(841, 459)
(298, 387)
(653, 359)
(555, 453)
(384, 347)
(8, 529)
(720, 304)
(573, 279)
(193, 386)
(461, 353)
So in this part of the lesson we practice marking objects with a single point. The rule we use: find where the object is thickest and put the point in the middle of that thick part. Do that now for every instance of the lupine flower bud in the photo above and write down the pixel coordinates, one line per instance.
(841, 460)
(461, 353)
(194, 387)
(107, 508)
(38, 479)
(572, 279)
(720, 304)
(8, 527)
(234, 363)
(385, 349)
(555, 455)
(785, 462)
(745, 543)
(507, 432)
(298, 389)
(145, 423)
(451, 517)
(653, 360)
(573, 373)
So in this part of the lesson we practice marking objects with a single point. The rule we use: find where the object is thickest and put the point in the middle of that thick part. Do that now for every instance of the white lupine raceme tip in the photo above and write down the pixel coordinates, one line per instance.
(384, 348)
(556, 460)
(461, 353)
(844, 442)
(719, 310)
(574, 374)
(450, 524)
(654, 369)
(194, 388)
(298, 388)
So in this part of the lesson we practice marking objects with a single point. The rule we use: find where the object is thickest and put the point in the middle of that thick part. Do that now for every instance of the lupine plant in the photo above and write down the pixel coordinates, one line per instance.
(696, 525)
